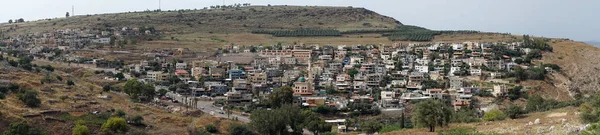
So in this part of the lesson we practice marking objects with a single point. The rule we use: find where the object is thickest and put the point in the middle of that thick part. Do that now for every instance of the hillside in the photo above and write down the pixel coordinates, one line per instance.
(62, 104)
(229, 20)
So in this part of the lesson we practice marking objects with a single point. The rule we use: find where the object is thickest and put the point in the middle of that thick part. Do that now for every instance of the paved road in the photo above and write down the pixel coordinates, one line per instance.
(206, 107)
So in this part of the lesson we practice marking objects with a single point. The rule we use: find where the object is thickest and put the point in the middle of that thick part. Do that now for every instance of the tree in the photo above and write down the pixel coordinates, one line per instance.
(162, 92)
(70, 83)
(115, 124)
(21, 20)
(515, 93)
(29, 97)
(121, 113)
(119, 76)
(494, 115)
(514, 111)
(465, 115)
(138, 90)
(239, 129)
(67, 15)
(281, 96)
(10, 21)
(106, 88)
(535, 103)
(22, 128)
(431, 113)
(352, 72)
(314, 123)
(211, 128)
(370, 126)
(278, 120)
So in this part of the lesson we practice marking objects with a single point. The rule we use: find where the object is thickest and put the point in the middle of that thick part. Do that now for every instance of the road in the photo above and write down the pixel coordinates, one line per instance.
(206, 107)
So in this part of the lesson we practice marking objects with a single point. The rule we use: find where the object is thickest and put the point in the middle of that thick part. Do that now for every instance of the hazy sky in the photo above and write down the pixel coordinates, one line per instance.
(575, 19)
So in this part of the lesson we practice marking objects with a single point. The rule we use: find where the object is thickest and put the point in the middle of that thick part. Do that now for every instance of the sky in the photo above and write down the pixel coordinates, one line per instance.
(574, 19)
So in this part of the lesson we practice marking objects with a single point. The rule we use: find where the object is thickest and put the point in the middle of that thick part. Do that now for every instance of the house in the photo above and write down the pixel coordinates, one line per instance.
(499, 90)
(236, 74)
(181, 66)
(182, 73)
(456, 83)
(153, 76)
(236, 97)
(101, 41)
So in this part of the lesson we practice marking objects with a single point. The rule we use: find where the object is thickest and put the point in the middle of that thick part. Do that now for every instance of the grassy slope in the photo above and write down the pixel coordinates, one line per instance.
(234, 20)
(12, 109)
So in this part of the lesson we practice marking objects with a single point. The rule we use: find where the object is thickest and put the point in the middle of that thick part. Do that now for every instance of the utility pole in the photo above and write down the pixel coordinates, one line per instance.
(159, 8)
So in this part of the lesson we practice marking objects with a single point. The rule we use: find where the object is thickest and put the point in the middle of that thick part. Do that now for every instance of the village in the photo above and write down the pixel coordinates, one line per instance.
(352, 79)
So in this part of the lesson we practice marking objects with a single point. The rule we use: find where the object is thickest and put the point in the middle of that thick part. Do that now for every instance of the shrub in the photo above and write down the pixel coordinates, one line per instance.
(22, 128)
(80, 130)
(121, 113)
(106, 88)
(211, 128)
(30, 98)
(514, 111)
(239, 129)
(137, 120)
(2, 96)
(494, 115)
(115, 124)
(70, 83)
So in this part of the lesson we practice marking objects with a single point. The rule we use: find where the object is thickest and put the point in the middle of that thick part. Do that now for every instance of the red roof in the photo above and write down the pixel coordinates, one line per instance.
(181, 72)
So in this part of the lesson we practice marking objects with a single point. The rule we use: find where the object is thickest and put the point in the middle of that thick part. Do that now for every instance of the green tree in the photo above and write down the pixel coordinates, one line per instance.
(22, 128)
(119, 76)
(465, 115)
(494, 115)
(211, 128)
(352, 72)
(67, 15)
(239, 129)
(70, 83)
(535, 103)
(281, 96)
(314, 123)
(514, 111)
(431, 113)
(138, 90)
(115, 124)
(370, 126)
(29, 97)
(10, 21)
(121, 113)
(106, 88)
(276, 121)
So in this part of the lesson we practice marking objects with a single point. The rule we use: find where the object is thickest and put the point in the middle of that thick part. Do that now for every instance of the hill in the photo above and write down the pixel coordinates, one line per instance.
(225, 20)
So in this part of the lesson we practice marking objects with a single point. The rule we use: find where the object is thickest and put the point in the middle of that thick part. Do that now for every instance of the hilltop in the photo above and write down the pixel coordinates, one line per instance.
(225, 20)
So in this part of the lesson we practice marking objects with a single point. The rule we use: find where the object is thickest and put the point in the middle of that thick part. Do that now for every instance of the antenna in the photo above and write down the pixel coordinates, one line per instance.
(159, 5)
(72, 10)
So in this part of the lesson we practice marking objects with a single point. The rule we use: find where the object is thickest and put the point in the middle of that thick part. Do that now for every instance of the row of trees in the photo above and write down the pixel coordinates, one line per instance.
(20, 20)
(299, 33)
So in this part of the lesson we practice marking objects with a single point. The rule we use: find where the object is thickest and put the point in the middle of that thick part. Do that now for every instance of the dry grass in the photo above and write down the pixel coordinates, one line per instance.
(517, 126)
(86, 90)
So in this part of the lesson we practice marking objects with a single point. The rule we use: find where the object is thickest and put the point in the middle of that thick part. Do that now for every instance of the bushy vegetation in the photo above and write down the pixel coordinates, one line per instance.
(277, 120)
(211, 128)
(494, 115)
(461, 131)
(239, 129)
(465, 115)
(138, 90)
(22, 128)
(115, 124)
(80, 129)
(29, 97)
(514, 111)
(431, 113)
(299, 33)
